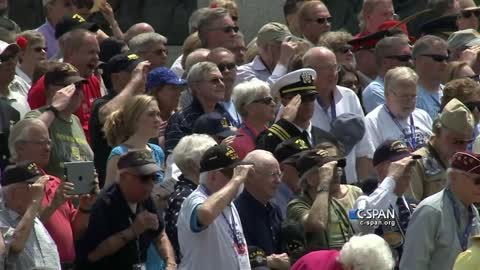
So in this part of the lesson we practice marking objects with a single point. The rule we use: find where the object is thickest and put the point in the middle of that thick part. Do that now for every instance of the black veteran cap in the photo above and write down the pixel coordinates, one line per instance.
(213, 124)
(123, 62)
(62, 74)
(258, 258)
(296, 82)
(25, 171)
(139, 162)
(220, 157)
(316, 158)
(69, 23)
(289, 150)
(390, 150)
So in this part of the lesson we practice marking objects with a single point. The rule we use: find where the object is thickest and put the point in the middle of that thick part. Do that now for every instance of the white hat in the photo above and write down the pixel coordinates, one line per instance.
(10, 47)
(296, 82)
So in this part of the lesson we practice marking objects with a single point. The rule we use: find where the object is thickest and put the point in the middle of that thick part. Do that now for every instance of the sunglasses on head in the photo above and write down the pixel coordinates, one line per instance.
(224, 67)
(471, 105)
(324, 20)
(264, 100)
(437, 57)
(468, 13)
(401, 58)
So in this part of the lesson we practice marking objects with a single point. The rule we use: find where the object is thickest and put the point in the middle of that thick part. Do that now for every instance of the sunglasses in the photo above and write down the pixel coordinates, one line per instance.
(228, 29)
(39, 49)
(345, 49)
(468, 13)
(475, 77)
(324, 20)
(264, 100)
(401, 58)
(228, 66)
(437, 57)
(471, 105)
(146, 178)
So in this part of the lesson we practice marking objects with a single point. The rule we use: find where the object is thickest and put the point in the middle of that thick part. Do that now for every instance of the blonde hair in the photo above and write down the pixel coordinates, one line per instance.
(452, 70)
(230, 5)
(367, 9)
(304, 11)
(33, 37)
(334, 39)
(122, 123)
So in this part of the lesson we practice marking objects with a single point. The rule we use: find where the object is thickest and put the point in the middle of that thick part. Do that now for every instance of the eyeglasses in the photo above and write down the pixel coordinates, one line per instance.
(234, 18)
(462, 142)
(471, 105)
(227, 29)
(437, 57)
(345, 49)
(264, 100)
(227, 66)
(38, 142)
(274, 174)
(404, 97)
(468, 13)
(401, 58)
(39, 49)
(323, 20)
(147, 178)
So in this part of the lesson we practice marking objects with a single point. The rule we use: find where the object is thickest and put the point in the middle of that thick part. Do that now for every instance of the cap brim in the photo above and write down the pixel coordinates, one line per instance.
(11, 48)
(226, 133)
(292, 159)
(74, 79)
(473, 42)
(132, 65)
(147, 169)
(238, 163)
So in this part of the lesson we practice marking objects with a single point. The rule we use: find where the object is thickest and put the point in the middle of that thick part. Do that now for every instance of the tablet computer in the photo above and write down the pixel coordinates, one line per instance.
(82, 175)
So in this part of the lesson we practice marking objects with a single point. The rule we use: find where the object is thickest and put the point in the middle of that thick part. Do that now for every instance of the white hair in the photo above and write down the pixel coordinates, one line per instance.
(20, 132)
(367, 252)
(399, 76)
(141, 43)
(246, 92)
(199, 72)
(189, 151)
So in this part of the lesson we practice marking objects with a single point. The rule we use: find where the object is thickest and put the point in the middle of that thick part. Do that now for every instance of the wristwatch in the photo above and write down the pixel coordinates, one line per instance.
(321, 188)
(53, 109)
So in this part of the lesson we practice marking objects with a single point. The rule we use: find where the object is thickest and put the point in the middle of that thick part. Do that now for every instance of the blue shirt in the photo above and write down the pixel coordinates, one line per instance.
(428, 101)
(48, 32)
(282, 197)
(373, 95)
(231, 113)
(261, 223)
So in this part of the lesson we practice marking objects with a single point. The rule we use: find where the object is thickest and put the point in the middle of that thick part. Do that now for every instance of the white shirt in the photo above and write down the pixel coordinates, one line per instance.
(19, 72)
(346, 101)
(18, 102)
(382, 127)
(177, 66)
(210, 247)
(256, 69)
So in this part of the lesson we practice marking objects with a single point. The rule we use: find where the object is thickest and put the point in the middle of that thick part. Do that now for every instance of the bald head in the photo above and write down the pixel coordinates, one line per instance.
(197, 56)
(264, 183)
(138, 29)
(316, 55)
(261, 159)
(324, 62)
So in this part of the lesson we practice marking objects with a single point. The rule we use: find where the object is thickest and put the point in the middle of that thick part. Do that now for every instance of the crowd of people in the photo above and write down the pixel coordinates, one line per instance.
(308, 147)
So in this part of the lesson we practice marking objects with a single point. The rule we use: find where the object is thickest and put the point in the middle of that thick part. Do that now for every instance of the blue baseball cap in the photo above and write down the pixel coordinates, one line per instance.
(162, 76)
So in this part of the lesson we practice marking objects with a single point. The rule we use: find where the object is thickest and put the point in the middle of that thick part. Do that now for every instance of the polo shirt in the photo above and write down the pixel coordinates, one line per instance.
(245, 139)
(59, 225)
(261, 223)
(112, 214)
(91, 91)
(429, 101)
(48, 31)
(373, 95)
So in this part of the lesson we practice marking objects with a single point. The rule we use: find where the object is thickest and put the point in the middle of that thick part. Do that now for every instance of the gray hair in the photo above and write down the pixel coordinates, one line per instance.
(206, 21)
(246, 92)
(426, 42)
(367, 252)
(189, 151)
(195, 18)
(199, 72)
(386, 46)
(398, 75)
(20, 132)
(197, 56)
(142, 42)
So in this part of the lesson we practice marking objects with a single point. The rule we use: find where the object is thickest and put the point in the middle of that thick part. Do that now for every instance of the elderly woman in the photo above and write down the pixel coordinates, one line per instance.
(457, 70)
(337, 42)
(257, 108)
(467, 91)
(32, 50)
(187, 155)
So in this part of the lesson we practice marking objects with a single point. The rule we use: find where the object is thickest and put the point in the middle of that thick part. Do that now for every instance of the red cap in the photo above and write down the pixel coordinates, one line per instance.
(466, 161)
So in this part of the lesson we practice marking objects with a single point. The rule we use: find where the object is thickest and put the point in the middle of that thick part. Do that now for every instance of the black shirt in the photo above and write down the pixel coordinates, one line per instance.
(112, 214)
(8, 117)
(183, 188)
(261, 223)
(99, 144)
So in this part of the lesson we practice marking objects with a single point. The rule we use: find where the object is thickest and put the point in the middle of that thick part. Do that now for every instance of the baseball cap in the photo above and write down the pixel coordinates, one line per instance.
(258, 258)
(63, 74)
(213, 124)
(273, 31)
(220, 157)
(123, 62)
(139, 162)
(110, 47)
(296, 82)
(11, 48)
(348, 129)
(390, 150)
(22, 172)
(316, 158)
(289, 151)
(466, 161)
(463, 38)
(69, 23)
(457, 117)
(161, 76)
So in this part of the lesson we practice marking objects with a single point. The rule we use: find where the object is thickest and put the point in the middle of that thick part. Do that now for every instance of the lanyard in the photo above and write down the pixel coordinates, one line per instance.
(333, 109)
(412, 141)
(462, 238)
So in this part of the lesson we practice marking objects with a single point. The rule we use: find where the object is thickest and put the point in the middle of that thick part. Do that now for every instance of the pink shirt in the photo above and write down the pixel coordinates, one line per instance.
(244, 142)
(60, 223)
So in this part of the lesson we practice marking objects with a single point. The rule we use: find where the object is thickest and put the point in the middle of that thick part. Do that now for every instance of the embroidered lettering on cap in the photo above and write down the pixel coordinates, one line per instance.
(132, 56)
(231, 153)
(306, 78)
(79, 18)
(301, 144)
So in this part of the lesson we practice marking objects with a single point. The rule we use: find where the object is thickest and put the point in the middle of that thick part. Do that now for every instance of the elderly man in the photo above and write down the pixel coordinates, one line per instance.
(150, 47)
(64, 96)
(275, 50)
(209, 219)
(80, 49)
(206, 83)
(26, 241)
(30, 140)
(390, 52)
(430, 55)
(314, 20)
(261, 218)
(124, 220)
(393, 165)
(452, 132)
(137, 29)
(54, 12)
(225, 61)
(187, 155)
(442, 224)
(322, 207)
(398, 119)
(333, 101)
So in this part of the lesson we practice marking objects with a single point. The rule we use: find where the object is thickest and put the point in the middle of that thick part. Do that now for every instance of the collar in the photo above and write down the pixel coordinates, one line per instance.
(183, 181)
(50, 27)
(308, 129)
(463, 209)
(254, 204)
(22, 75)
(114, 195)
(258, 65)
(250, 127)
(379, 80)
